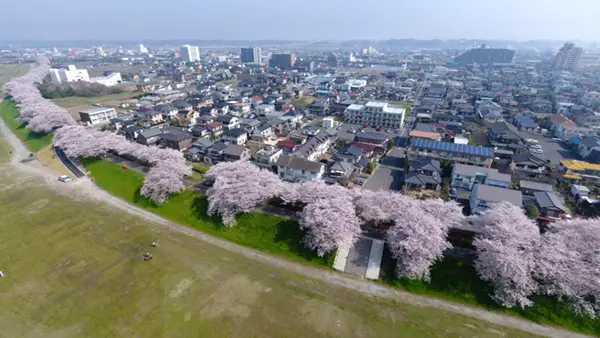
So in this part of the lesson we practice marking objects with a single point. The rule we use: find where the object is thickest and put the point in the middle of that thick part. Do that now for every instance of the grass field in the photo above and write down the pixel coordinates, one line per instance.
(75, 104)
(452, 279)
(8, 71)
(267, 233)
(302, 102)
(73, 268)
(33, 141)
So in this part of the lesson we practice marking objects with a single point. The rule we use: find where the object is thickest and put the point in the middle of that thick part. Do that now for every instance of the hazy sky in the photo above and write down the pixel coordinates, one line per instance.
(306, 19)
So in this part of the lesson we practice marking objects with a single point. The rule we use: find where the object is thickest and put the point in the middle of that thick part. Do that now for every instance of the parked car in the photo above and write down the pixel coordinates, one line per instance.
(536, 151)
(64, 178)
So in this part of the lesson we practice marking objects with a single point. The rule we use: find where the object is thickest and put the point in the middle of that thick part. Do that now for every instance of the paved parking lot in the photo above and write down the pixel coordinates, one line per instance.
(554, 151)
(385, 178)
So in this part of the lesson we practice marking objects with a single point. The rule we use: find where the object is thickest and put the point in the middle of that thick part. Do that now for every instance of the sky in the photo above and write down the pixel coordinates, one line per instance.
(299, 20)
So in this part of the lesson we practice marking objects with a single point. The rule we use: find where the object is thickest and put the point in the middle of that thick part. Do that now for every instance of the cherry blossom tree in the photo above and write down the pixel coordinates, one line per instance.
(506, 250)
(312, 191)
(416, 240)
(329, 224)
(240, 187)
(379, 206)
(568, 264)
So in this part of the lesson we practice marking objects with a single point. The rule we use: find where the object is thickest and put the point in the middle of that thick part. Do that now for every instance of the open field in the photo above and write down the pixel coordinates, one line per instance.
(10, 70)
(70, 273)
(48, 159)
(452, 279)
(33, 141)
(75, 104)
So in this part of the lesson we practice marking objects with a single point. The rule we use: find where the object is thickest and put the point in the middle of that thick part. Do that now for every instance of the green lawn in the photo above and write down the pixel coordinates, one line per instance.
(266, 233)
(33, 141)
(452, 278)
(110, 100)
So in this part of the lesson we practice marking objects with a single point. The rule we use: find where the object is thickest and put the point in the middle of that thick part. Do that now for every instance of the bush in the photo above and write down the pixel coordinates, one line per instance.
(84, 89)
(532, 211)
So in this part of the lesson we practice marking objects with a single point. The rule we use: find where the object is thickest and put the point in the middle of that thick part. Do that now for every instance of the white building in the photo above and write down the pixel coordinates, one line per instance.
(111, 79)
(142, 49)
(98, 115)
(375, 114)
(190, 53)
(296, 169)
(71, 74)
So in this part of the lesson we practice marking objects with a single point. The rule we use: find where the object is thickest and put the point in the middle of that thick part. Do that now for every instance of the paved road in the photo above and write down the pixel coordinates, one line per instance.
(385, 178)
(66, 161)
(86, 189)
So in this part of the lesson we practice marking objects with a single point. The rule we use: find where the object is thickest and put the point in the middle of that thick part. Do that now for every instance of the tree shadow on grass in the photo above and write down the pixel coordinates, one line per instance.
(290, 234)
(200, 211)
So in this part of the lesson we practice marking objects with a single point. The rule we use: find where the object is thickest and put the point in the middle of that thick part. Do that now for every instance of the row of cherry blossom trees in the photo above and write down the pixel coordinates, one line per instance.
(332, 215)
(519, 262)
(168, 167)
(41, 115)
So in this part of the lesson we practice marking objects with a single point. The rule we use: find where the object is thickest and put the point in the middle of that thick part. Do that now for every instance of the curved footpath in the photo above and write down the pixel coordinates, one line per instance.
(84, 188)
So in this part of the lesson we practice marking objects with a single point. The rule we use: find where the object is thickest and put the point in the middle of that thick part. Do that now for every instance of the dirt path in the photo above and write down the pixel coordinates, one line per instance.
(84, 188)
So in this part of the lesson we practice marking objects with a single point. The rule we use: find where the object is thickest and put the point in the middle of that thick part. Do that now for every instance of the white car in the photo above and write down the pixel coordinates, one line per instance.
(535, 146)
(537, 151)
(64, 178)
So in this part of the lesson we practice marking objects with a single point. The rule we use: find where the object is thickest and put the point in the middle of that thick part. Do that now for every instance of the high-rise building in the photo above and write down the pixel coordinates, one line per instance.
(589, 60)
(190, 53)
(283, 61)
(251, 55)
(485, 55)
(143, 49)
(567, 57)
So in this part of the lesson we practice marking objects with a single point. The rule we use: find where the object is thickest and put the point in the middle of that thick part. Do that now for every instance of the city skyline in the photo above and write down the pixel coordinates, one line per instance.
(336, 20)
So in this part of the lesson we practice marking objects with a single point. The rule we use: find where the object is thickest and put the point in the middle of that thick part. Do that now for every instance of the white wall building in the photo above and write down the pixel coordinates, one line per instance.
(111, 79)
(190, 53)
(296, 169)
(98, 115)
(142, 49)
(375, 114)
(71, 74)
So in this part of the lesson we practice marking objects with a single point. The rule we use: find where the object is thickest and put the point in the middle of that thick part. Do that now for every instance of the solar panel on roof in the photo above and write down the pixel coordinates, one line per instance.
(453, 147)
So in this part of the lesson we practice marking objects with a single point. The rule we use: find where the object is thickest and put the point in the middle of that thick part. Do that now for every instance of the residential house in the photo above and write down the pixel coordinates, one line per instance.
(587, 145)
(215, 153)
(579, 191)
(261, 132)
(154, 117)
(349, 154)
(267, 157)
(590, 120)
(576, 170)
(131, 132)
(181, 105)
(236, 136)
(176, 139)
(372, 138)
(215, 129)
(229, 122)
(193, 154)
(457, 153)
(503, 132)
(287, 146)
(484, 196)
(525, 123)
(199, 131)
(426, 134)
(249, 124)
(550, 205)
(297, 169)
(423, 174)
(530, 187)
(149, 136)
(315, 147)
(235, 152)
(528, 163)
(466, 111)
(567, 131)
(464, 177)
(166, 110)
(264, 109)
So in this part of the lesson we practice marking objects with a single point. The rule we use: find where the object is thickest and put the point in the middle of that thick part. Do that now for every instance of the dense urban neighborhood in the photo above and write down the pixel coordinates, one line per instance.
(384, 157)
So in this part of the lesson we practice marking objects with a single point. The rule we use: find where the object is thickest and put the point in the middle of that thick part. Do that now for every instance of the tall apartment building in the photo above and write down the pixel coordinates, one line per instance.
(283, 61)
(567, 57)
(589, 60)
(375, 114)
(190, 53)
(251, 55)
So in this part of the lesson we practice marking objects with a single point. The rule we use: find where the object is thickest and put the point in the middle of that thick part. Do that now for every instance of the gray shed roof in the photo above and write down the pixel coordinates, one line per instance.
(495, 194)
(296, 162)
(471, 170)
(538, 186)
(549, 200)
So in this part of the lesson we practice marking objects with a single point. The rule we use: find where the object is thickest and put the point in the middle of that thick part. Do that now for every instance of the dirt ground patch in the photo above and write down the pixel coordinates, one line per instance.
(48, 159)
